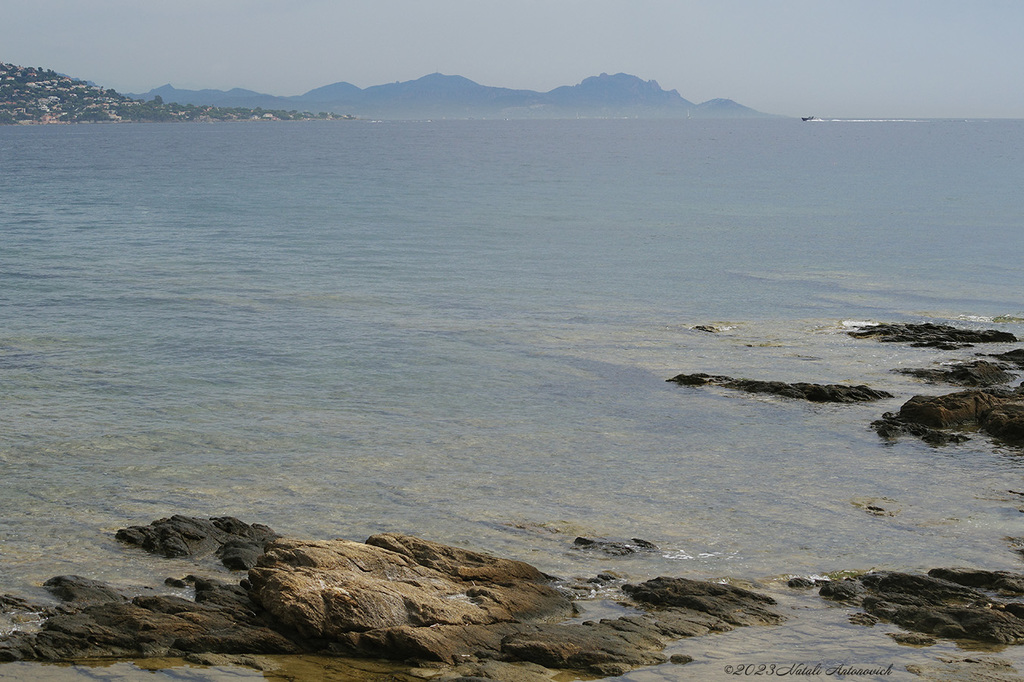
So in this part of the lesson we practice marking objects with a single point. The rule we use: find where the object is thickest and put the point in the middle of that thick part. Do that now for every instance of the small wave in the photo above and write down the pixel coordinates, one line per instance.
(682, 555)
(988, 319)
(857, 324)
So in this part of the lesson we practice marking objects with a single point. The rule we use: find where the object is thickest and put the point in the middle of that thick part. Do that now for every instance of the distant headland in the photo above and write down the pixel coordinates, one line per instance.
(31, 95)
(38, 95)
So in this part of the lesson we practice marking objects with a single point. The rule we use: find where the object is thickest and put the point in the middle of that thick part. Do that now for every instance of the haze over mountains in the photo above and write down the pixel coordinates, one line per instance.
(442, 96)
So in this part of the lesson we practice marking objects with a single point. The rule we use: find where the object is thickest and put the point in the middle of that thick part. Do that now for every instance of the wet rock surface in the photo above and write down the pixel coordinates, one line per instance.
(1014, 357)
(931, 335)
(997, 412)
(952, 603)
(977, 373)
(962, 668)
(236, 543)
(818, 393)
(394, 597)
(613, 547)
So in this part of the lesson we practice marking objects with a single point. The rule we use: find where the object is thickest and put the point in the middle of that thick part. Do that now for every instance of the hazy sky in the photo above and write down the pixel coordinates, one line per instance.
(843, 58)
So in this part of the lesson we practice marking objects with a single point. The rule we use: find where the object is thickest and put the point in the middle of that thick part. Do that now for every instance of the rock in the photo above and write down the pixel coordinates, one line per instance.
(941, 336)
(818, 393)
(972, 668)
(685, 608)
(393, 597)
(73, 588)
(918, 589)
(912, 638)
(731, 604)
(615, 548)
(841, 590)
(865, 619)
(402, 597)
(978, 373)
(148, 627)
(1005, 422)
(998, 412)
(945, 603)
(1015, 357)
(329, 589)
(236, 543)
(890, 426)
(611, 647)
(1002, 581)
(952, 409)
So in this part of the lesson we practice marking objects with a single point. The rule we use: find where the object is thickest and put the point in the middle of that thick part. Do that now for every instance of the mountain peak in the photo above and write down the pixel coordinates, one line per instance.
(438, 95)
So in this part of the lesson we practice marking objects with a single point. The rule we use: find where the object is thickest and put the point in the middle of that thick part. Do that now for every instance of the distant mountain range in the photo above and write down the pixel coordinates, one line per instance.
(441, 96)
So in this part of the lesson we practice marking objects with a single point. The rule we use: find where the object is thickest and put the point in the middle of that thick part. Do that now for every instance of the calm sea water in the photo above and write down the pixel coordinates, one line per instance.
(462, 330)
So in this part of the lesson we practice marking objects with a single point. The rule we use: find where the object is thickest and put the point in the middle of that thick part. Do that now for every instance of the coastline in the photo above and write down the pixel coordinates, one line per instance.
(663, 617)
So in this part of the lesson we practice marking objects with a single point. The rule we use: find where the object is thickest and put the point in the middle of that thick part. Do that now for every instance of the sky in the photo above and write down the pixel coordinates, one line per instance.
(829, 58)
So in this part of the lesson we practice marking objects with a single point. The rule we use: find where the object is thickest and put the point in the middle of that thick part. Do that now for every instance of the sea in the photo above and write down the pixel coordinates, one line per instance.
(462, 330)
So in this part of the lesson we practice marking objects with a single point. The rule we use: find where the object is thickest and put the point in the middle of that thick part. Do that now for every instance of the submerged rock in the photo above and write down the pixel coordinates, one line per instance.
(932, 335)
(967, 668)
(236, 543)
(614, 548)
(818, 393)
(998, 412)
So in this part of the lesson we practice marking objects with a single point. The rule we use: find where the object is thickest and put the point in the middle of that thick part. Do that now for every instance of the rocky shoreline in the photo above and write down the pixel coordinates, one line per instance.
(393, 597)
(453, 612)
(467, 615)
(989, 406)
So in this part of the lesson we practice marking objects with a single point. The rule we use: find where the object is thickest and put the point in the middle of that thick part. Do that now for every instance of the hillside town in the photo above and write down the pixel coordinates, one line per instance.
(31, 96)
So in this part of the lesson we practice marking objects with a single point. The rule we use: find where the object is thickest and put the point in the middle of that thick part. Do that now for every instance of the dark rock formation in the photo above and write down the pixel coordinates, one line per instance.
(236, 544)
(960, 604)
(614, 548)
(731, 604)
(685, 608)
(393, 597)
(841, 590)
(998, 412)
(1014, 357)
(931, 335)
(818, 393)
(220, 620)
(73, 588)
(1005, 422)
(980, 373)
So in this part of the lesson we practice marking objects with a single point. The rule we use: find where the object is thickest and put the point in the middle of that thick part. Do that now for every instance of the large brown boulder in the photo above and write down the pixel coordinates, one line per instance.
(998, 412)
(329, 589)
(953, 409)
